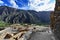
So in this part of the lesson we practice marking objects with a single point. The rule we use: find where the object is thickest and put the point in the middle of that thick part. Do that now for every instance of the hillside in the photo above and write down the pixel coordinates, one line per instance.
(13, 15)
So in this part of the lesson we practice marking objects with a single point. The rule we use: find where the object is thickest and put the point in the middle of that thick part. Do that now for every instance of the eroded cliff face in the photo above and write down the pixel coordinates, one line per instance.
(55, 20)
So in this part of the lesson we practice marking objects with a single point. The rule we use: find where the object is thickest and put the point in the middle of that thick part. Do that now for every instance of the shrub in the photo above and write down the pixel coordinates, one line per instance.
(3, 24)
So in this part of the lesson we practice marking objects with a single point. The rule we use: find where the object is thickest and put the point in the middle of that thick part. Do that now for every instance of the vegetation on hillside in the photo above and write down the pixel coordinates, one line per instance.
(4, 24)
(10, 15)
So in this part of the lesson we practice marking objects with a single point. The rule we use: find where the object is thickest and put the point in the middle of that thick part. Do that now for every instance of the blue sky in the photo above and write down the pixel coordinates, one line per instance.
(37, 5)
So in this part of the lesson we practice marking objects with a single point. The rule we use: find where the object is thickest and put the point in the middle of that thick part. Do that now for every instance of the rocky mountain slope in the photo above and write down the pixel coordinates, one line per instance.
(13, 15)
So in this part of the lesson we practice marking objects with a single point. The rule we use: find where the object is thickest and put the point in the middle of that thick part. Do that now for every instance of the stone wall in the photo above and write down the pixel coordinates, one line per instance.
(55, 20)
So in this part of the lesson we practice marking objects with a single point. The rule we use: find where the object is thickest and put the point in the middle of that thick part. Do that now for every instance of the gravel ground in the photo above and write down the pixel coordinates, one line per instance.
(42, 36)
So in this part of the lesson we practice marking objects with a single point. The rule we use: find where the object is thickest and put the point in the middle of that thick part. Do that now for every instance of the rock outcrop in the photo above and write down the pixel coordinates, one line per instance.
(55, 20)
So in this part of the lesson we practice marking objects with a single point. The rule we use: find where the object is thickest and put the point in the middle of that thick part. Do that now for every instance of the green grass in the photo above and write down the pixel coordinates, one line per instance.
(3, 24)
(40, 24)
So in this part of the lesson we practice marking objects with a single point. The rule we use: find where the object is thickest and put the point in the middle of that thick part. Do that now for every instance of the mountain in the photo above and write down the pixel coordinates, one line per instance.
(13, 15)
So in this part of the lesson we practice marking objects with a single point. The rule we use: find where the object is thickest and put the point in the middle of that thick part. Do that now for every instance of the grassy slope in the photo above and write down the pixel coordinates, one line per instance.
(3, 24)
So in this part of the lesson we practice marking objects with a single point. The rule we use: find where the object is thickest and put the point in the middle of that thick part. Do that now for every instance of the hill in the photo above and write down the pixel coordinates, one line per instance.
(13, 15)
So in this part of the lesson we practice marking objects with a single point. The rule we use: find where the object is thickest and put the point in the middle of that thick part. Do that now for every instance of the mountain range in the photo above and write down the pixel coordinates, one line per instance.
(13, 15)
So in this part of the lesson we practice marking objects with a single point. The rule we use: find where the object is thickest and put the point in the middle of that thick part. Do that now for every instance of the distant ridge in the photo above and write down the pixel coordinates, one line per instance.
(13, 15)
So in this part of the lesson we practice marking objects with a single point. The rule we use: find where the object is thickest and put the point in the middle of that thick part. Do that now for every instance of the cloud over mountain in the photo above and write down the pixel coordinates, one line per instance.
(1, 2)
(38, 5)
(42, 5)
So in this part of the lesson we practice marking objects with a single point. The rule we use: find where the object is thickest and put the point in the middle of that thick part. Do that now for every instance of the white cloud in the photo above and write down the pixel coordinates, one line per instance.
(25, 8)
(5, 4)
(33, 4)
(12, 2)
(1, 2)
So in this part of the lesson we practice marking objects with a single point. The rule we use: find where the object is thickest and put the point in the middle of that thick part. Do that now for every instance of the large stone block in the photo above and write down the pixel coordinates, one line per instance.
(56, 23)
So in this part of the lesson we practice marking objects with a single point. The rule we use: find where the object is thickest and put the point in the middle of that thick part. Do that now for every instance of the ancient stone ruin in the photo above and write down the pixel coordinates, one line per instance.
(20, 32)
(16, 32)
(55, 20)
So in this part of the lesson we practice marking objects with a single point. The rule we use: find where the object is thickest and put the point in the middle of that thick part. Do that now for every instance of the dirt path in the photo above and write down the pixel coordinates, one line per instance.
(42, 36)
